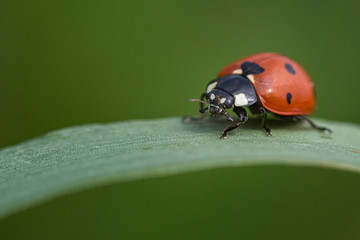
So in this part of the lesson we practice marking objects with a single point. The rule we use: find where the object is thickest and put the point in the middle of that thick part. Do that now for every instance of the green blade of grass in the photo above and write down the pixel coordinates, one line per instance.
(77, 158)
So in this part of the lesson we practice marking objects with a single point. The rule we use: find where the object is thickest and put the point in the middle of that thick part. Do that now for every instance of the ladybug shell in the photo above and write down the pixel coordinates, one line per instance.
(283, 86)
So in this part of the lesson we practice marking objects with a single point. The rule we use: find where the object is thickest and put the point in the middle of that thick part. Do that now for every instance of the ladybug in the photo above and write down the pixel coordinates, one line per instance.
(264, 82)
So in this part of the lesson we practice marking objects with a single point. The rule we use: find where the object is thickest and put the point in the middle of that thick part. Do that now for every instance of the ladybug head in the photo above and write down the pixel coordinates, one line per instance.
(218, 101)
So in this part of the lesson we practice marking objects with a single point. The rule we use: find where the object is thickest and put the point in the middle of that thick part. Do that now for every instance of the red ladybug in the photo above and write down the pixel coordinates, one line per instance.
(264, 82)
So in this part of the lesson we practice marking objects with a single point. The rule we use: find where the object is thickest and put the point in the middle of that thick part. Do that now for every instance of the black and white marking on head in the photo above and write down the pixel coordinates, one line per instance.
(288, 97)
(241, 100)
(290, 68)
(220, 98)
(249, 68)
(232, 90)
(211, 86)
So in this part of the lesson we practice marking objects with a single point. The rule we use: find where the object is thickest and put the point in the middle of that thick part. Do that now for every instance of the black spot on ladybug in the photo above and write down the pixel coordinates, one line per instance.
(290, 68)
(288, 97)
(251, 68)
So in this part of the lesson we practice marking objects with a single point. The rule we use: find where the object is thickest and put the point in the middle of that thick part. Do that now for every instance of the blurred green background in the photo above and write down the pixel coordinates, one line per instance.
(65, 63)
(251, 203)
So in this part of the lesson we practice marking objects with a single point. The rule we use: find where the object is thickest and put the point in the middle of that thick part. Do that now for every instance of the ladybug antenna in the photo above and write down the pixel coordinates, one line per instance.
(197, 100)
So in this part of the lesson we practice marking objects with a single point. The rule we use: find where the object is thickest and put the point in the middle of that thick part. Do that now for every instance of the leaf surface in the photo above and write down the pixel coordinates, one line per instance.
(77, 158)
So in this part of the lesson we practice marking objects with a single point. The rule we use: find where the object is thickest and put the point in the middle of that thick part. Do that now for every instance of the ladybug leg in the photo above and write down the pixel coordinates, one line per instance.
(227, 115)
(191, 119)
(267, 130)
(202, 110)
(312, 124)
(241, 112)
